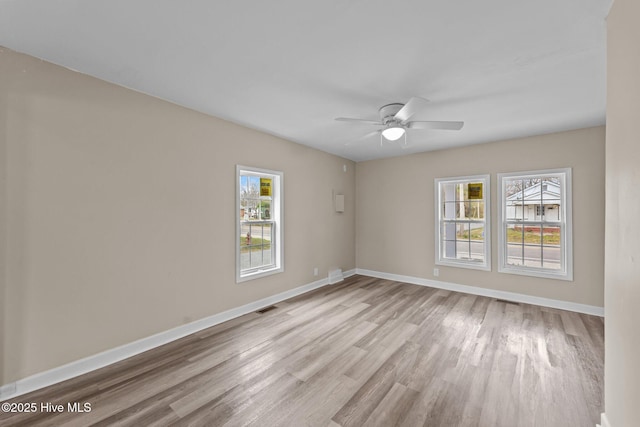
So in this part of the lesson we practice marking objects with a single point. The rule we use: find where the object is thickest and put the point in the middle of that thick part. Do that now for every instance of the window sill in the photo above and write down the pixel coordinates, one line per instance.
(536, 273)
(258, 274)
(463, 264)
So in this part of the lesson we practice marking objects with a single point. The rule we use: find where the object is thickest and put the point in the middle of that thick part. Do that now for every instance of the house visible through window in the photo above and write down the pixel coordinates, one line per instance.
(258, 223)
(462, 226)
(535, 223)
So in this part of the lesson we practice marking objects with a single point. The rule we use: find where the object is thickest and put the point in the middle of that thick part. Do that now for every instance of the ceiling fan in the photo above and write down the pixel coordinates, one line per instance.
(395, 119)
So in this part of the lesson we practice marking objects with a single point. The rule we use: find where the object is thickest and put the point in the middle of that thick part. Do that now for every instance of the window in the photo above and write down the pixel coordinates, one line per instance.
(258, 223)
(535, 224)
(462, 229)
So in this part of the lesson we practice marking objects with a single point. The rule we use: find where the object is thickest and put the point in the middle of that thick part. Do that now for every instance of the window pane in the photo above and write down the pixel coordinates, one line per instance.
(449, 211)
(256, 247)
(514, 254)
(448, 231)
(470, 231)
(460, 210)
(461, 189)
(244, 239)
(243, 185)
(551, 235)
(533, 234)
(515, 233)
(245, 245)
(254, 186)
(514, 205)
(551, 186)
(476, 255)
(530, 186)
(476, 248)
(462, 230)
(448, 192)
(463, 235)
(476, 210)
(552, 249)
(250, 209)
(552, 210)
(532, 255)
(449, 240)
(265, 209)
(512, 187)
(462, 250)
(552, 257)
(514, 210)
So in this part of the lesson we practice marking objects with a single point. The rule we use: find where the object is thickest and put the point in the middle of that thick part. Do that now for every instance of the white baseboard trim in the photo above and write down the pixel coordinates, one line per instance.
(604, 421)
(108, 357)
(492, 293)
(349, 273)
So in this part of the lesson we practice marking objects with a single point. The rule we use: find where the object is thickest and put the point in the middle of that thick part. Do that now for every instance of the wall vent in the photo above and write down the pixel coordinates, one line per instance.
(264, 310)
(508, 302)
(335, 276)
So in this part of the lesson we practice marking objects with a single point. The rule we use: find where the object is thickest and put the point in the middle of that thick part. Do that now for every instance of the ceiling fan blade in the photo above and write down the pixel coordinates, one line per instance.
(364, 138)
(435, 125)
(414, 105)
(348, 119)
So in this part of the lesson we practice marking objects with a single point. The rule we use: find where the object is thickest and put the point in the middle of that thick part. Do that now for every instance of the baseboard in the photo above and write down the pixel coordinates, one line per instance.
(349, 273)
(100, 360)
(7, 390)
(604, 421)
(492, 293)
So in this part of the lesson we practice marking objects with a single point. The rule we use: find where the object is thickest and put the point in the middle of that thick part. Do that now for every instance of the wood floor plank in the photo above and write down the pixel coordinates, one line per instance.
(365, 351)
(392, 407)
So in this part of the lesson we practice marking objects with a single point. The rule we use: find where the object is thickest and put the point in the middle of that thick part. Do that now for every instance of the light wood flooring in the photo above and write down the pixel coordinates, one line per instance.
(365, 352)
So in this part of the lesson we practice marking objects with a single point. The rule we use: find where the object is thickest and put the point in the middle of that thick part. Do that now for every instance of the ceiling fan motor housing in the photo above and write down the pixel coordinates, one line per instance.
(387, 112)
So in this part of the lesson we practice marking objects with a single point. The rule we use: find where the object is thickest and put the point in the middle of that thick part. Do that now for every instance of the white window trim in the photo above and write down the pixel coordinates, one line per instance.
(277, 205)
(566, 238)
(486, 265)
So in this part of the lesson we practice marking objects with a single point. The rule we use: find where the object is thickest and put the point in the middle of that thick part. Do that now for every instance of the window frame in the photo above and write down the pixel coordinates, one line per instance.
(486, 198)
(277, 221)
(566, 226)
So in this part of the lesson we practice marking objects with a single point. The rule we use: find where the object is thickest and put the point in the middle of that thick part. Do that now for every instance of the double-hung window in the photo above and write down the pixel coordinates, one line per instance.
(258, 223)
(535, 223)
(463, 235)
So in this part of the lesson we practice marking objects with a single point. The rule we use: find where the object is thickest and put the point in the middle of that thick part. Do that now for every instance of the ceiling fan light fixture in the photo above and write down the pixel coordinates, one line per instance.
(393, 133)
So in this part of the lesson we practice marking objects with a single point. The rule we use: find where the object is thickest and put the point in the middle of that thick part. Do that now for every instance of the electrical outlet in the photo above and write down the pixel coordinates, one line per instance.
(436, 272)
(315, 271)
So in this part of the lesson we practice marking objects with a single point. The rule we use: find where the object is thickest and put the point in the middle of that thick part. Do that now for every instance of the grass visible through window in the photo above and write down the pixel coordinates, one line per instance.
(515, 236)
(257, 244)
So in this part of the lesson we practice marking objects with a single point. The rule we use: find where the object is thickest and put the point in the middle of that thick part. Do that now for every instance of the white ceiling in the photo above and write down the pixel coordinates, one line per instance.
(507, 68)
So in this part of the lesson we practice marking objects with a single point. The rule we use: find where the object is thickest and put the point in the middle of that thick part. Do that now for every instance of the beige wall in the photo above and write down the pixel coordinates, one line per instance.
(622, 262)
(395, 214)
(120, 213)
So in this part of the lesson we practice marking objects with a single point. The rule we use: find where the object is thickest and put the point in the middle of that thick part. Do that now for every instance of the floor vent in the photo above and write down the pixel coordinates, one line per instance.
(264, 310)
(508, 302)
